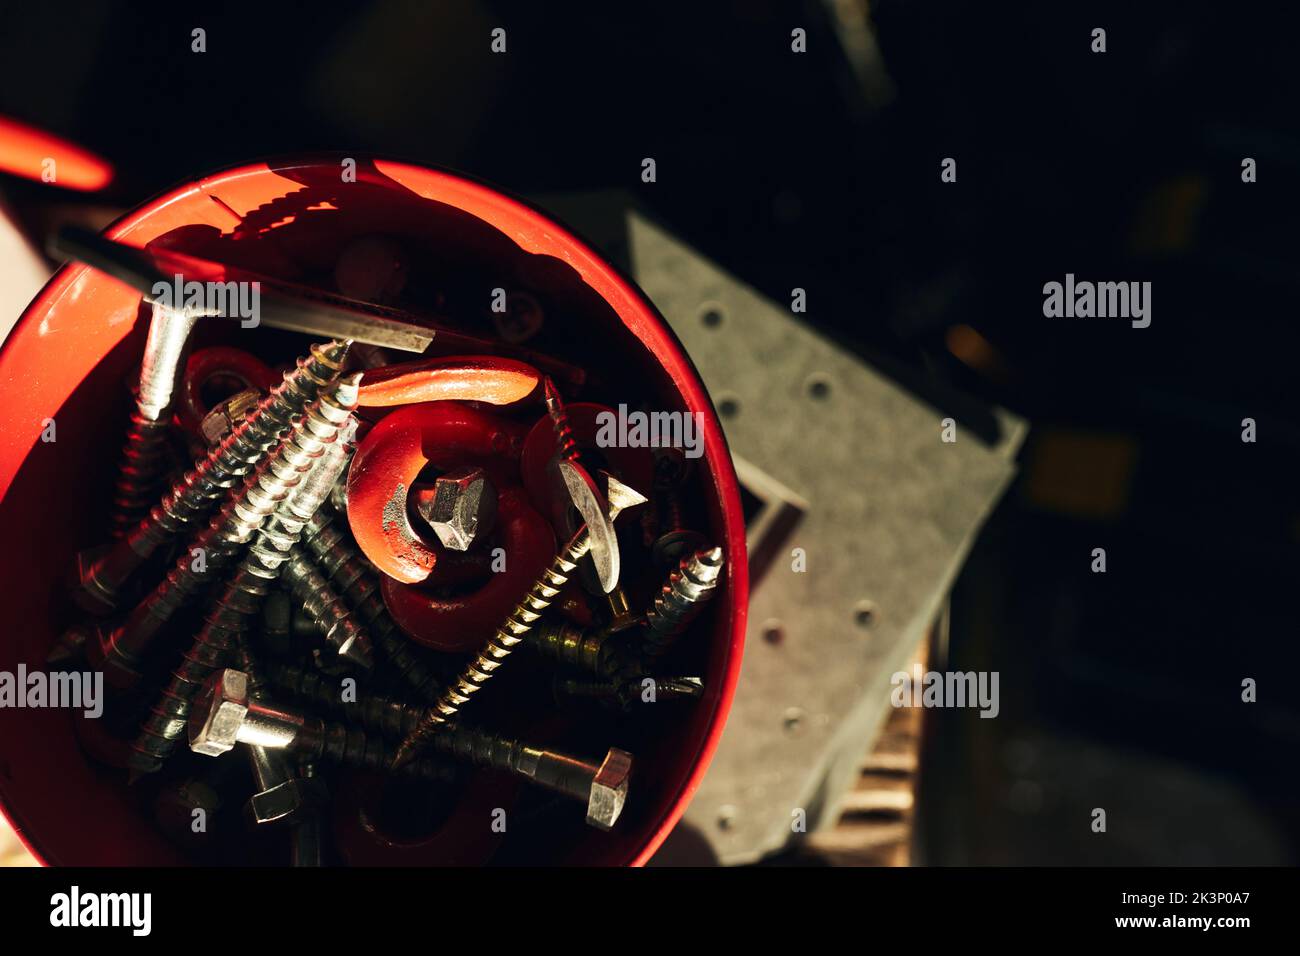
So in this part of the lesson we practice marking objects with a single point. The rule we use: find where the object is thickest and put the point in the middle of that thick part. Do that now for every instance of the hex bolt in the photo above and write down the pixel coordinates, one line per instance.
(145, 454)
(603, 787)
(282, 797)
(334, 553)
(242, 597)
(516, 627)
(680, 599)
(243, 513)
(461, 508)
(225, 714)
(229, 711)
(199, 489)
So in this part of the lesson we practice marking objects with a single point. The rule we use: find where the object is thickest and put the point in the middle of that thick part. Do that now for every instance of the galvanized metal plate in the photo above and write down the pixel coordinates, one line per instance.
(849, 468)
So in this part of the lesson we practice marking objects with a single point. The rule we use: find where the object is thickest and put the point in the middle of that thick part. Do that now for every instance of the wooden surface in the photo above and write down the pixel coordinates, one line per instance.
(875, 827)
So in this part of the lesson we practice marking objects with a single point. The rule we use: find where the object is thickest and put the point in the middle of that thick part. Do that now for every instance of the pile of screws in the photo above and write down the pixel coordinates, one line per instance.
(235, 609)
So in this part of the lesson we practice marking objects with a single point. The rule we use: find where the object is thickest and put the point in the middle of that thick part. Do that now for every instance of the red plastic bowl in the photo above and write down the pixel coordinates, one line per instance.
(66, 360)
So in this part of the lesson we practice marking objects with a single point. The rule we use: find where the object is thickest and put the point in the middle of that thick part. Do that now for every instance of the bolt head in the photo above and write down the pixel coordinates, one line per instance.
(609, 789)
(288, 801)
(219, 712)
(462, 508)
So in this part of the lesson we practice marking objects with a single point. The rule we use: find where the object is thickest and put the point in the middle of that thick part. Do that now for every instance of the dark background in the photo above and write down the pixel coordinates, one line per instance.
(821, 171)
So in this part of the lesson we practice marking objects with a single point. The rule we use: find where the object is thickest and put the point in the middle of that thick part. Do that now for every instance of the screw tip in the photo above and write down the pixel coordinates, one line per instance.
(405, 754)
(549, 391)
(709, 556)
(333, 353)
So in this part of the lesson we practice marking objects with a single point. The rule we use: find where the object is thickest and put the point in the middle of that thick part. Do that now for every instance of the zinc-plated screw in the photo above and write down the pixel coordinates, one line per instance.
(210, 552)
(326, 610)
(225, 418)
(584, 494)
(674, 607)
(233, 714)
(244, 512)
(243, 594)
(338, 557)
(226, 714)
(680, 599)
(516, 627)
(198, 490)
(281, 797)
(146, 448)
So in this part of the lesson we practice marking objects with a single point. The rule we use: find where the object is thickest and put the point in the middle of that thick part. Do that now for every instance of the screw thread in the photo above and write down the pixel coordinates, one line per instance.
(317, 441)
(586, 688)
(327, 610)
(587, 649)
(218, 543)
(247, 661)
(243, 595)
(245, 511)
(380, 713)
(481, 748)
(670, 507)
(335, 554)
(567, 447)
(139, 480)
(680, 599)
(353, 747)
(194, 494)
(210, 650)
(516, 627)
